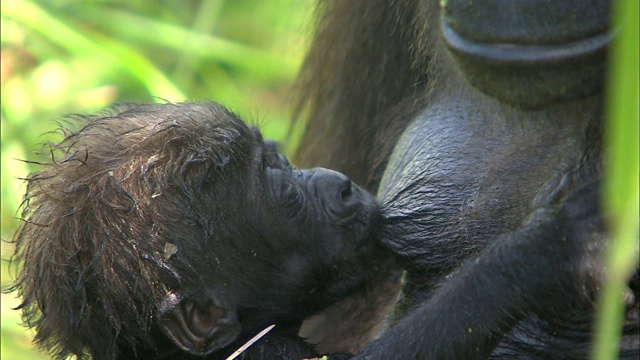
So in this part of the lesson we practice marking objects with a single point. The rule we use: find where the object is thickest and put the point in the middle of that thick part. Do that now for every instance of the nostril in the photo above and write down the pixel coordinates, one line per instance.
(346, 192)
(349, 201)
(337, 194)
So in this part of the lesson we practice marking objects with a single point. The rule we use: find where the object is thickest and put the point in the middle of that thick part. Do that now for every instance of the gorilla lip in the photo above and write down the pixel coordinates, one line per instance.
(503, 53)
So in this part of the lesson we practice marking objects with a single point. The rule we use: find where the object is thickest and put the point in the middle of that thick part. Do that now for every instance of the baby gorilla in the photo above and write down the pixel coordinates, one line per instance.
(177, 221)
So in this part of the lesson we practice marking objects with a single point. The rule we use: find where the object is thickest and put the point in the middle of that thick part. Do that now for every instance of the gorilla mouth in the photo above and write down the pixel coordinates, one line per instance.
(504, 53)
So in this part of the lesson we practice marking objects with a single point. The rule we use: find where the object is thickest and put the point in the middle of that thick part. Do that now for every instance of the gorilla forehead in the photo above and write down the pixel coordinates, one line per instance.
(190, 132)
(153, 146)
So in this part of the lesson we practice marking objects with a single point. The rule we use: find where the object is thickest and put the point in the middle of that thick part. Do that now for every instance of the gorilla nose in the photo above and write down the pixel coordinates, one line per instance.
(335, 191)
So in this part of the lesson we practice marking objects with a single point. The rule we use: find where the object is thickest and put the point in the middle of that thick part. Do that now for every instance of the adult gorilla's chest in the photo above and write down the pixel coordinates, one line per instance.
(456, 181)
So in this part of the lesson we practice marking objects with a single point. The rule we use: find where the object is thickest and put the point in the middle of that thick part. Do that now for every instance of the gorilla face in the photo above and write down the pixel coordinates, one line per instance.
(293, 241)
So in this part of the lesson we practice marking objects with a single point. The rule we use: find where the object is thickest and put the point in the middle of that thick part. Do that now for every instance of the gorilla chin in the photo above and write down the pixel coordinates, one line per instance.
(557, 65)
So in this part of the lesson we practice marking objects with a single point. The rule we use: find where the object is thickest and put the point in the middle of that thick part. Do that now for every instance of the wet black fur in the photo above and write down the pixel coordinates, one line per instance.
(91, 251)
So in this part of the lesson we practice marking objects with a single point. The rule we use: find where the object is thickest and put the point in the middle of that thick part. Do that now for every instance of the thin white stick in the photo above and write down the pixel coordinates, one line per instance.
(250, 342)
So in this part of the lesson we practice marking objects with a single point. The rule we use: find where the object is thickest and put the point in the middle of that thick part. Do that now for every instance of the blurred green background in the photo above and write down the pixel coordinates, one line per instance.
(78, 56)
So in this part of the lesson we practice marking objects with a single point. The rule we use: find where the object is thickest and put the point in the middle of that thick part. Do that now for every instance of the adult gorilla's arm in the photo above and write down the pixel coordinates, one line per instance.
(527, 271)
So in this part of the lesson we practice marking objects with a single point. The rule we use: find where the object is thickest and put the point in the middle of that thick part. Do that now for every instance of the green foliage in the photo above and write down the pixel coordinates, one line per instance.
(78, 56)
(620, 190)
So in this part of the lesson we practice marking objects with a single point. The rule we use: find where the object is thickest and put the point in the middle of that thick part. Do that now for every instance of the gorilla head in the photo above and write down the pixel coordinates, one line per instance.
(179, 221)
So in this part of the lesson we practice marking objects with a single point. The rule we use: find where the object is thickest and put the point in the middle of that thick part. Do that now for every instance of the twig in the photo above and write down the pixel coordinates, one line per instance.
(250, 342)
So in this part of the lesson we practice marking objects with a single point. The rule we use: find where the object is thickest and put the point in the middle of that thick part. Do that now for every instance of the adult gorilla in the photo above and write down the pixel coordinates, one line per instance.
(495, 112)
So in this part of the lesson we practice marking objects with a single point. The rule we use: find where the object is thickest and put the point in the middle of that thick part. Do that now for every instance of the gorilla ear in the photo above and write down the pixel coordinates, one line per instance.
(199, 326)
